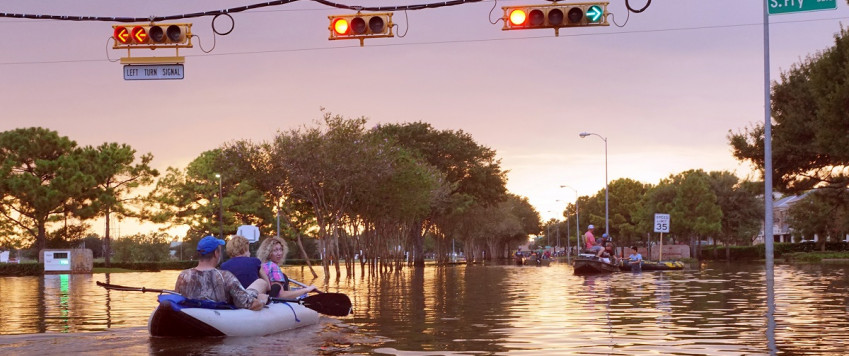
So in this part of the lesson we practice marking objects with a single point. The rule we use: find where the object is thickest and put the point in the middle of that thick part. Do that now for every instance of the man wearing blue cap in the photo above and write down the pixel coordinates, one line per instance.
(206, 282)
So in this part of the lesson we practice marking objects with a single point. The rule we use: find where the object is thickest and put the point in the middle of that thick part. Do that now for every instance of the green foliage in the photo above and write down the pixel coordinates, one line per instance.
(21, 269)
(742, 211)
(149, 266)
(42, 176)
(625, 205)
(809, 144)
(151, 247)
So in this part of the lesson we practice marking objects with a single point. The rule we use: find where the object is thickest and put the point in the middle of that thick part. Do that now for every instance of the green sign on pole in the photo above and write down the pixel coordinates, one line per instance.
(789, 6)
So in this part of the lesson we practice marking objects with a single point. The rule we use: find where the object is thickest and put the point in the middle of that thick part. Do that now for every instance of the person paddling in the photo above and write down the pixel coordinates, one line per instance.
(272, 252)
(206, 282)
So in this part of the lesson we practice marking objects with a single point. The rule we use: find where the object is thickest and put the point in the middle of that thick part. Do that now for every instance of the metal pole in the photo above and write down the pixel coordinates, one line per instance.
(568, 239)
(768, 233)
(606, 200)
(606, 206)
(577, 218)
(220, 207)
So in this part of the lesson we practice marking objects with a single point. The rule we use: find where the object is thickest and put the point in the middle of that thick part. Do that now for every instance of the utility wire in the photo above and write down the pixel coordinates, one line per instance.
(562, 35)
(234, 10)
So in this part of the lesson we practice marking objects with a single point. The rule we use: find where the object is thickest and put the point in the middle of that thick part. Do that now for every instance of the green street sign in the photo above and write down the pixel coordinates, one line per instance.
(789, 6)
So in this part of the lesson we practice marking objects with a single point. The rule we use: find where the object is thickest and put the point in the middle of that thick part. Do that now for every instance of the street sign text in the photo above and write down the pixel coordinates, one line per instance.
(788, 6)
(153, 72)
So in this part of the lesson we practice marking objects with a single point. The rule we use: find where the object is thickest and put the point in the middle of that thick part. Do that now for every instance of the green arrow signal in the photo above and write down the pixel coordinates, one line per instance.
(594, 13)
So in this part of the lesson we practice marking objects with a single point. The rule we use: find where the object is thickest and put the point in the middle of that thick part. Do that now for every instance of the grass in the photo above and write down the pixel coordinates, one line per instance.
(815, 256)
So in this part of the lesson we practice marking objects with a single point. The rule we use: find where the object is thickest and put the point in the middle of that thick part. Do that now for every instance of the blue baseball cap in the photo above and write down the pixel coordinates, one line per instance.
(209, 244)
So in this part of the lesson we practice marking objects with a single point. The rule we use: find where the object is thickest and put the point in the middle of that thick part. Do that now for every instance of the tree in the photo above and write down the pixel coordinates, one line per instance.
(471, 170)
(822, 213)
(42, 176)
(625, 207)
(810, 147)
(117, 178)
(191, 197)
(742, 211)
(694, 209)
(152, 247)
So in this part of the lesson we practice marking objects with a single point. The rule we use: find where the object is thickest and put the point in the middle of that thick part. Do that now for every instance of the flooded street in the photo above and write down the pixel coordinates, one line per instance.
(481, 309)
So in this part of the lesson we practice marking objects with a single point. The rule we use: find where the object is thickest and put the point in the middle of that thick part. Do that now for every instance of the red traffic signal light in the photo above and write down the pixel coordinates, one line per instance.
(152, 35)
(360, 26)
(555, 16)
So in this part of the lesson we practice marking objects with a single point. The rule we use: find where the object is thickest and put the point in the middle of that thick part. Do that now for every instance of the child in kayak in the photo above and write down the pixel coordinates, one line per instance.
(241, 264)
(272, 252)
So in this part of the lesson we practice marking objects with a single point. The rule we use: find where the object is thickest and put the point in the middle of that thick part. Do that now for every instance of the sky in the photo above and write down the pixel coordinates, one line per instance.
(665, 89)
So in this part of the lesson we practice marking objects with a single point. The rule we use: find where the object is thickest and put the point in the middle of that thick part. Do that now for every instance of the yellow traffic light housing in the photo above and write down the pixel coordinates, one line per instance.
(360, 26)
(153, 36)
(555, 16)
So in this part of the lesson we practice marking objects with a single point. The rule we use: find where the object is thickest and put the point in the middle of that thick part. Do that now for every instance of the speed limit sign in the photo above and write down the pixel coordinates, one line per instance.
(661, 223)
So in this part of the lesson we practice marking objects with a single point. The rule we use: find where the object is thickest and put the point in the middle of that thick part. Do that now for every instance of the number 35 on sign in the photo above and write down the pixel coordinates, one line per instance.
(661, 223)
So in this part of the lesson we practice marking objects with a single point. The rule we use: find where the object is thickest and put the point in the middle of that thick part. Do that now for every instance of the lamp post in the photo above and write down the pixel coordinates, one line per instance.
(606, 211)
(577, 218)
(220, 206)
(568, 244)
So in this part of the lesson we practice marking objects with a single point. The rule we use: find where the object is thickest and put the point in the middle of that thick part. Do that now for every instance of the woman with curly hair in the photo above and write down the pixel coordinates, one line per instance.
(272, 252)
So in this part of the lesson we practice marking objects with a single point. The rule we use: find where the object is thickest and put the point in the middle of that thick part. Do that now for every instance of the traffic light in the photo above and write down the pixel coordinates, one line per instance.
(555, 16)
(171, 35)
(360, 26)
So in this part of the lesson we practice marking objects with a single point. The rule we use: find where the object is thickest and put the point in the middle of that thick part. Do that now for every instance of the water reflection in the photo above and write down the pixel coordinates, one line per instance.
(491, 309)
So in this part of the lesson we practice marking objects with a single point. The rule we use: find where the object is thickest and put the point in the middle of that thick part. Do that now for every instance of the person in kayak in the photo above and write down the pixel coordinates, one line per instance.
(241, 264)
(272, 252)
(206, 282)
(635, 260)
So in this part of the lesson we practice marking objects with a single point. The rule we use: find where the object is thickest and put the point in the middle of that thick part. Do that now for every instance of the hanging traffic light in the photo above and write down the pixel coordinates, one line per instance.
(555, 16)
(176, 35)
(360, 26)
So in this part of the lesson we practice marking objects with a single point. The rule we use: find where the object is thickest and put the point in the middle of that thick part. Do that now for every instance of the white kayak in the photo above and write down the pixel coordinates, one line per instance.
(174, 317)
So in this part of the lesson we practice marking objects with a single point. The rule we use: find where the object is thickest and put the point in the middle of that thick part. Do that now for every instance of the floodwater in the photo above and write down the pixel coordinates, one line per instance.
(716, 309)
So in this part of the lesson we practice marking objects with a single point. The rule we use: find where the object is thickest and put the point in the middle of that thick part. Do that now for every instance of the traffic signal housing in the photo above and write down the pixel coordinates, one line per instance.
(360, 26)
(555, 16)
(170, 35)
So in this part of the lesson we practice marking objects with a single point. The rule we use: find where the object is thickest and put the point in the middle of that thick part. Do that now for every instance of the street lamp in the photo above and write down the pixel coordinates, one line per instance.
(577, 217)
(220, 206)
(568, 245)
(606, 211)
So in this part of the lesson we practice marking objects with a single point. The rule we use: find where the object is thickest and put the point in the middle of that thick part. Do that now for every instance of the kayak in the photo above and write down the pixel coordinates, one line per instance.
(177, 316)
(656, 266)
(590, 264)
